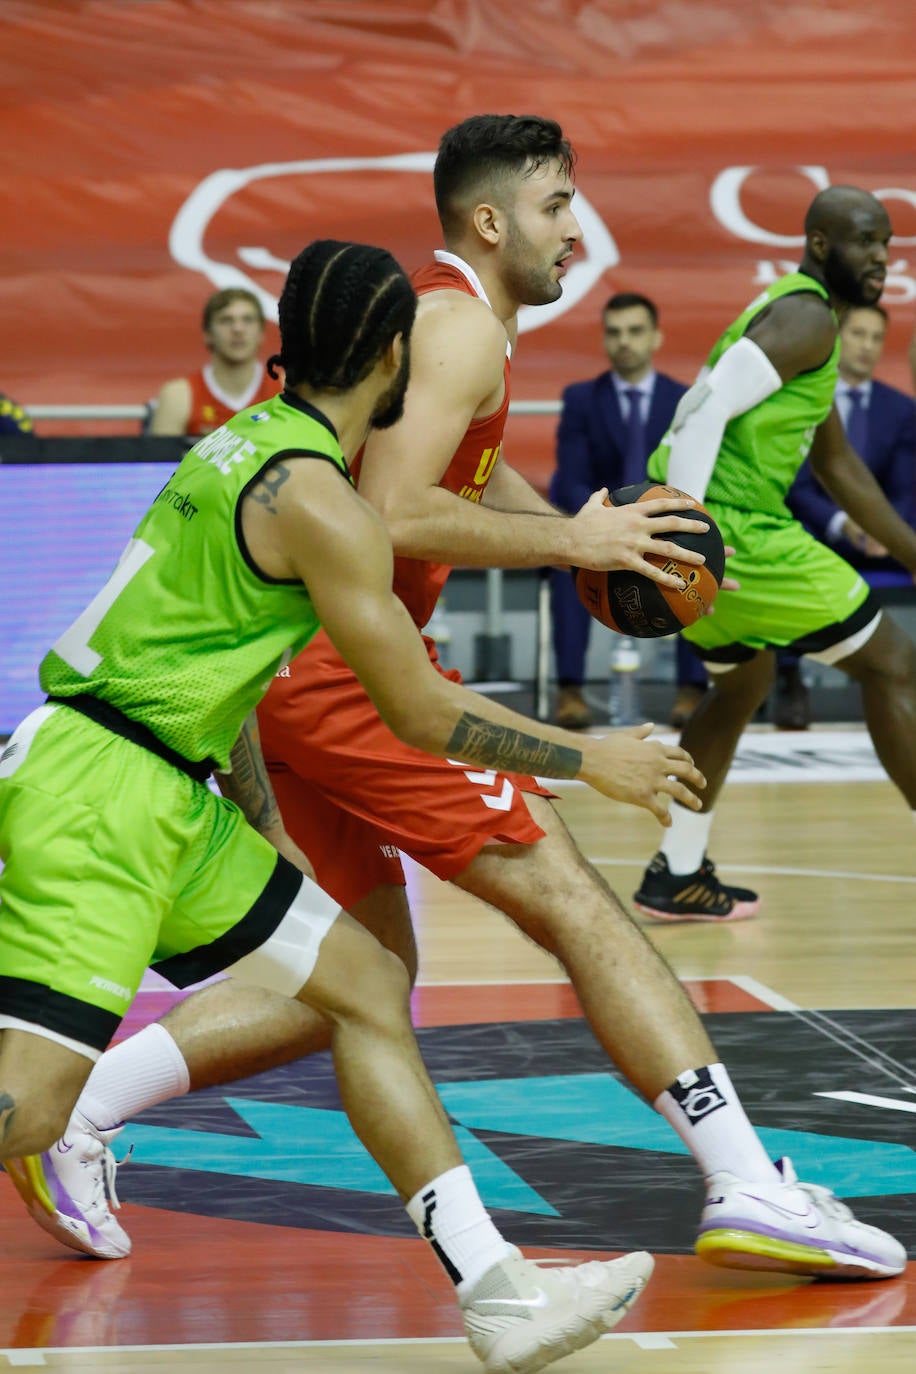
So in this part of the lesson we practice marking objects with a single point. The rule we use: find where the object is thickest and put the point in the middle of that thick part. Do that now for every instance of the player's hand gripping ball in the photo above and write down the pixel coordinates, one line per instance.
(631, 603)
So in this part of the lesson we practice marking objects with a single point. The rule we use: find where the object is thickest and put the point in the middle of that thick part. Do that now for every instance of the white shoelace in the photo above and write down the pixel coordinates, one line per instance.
(106, 1187)
(826, 1201)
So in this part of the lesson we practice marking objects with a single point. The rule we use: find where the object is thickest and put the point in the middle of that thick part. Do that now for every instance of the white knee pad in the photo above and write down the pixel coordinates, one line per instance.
(284, 963)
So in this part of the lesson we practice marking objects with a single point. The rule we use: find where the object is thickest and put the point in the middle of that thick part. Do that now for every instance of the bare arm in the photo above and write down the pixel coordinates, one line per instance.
(312, 529)
(173, 408)
(856, 491)
(508, 490)
(248, 785)
(797, 333)
(458, 350)
(793, 334)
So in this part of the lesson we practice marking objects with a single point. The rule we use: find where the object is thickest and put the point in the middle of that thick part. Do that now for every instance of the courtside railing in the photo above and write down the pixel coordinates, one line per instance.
(139, 413)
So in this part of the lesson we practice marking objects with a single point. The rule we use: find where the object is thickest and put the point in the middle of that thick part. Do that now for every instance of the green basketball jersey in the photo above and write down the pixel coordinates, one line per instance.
(762, 450)
(186, 635)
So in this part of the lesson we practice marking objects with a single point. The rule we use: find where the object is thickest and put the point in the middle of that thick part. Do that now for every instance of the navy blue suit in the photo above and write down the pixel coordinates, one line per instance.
(890, 453)
(591, 453)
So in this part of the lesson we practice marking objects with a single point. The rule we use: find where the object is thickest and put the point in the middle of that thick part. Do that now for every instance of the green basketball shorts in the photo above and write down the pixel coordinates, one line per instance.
(794, 592)
(115, 860)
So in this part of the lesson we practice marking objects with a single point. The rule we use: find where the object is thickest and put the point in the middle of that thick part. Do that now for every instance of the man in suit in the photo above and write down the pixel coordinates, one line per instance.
(880, 423)
(608, 427)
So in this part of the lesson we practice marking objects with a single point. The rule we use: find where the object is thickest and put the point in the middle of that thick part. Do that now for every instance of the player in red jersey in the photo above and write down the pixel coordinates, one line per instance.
(351, 794)
(235, 377)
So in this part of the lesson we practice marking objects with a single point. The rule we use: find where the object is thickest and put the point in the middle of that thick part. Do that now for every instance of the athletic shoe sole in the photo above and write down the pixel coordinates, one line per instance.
(736, 1249)
(741, 911)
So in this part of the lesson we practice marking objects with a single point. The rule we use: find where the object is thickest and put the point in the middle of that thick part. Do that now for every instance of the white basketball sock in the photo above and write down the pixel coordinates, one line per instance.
(450, 1214)
(684, 842)
(142, 1071)
(707, 1114)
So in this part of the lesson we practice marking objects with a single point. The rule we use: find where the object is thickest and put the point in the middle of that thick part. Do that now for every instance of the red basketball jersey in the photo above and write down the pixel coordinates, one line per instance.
(212, 407)
(417, 581)
(350, 793)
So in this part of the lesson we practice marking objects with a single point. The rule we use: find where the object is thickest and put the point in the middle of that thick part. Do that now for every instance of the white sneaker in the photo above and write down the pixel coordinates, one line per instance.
(521, 1316)
(70, 1190)
(797, 1228)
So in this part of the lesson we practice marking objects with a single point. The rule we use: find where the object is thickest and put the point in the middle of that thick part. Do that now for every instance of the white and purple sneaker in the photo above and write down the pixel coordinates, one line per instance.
(796, 1228)
(70, 1190)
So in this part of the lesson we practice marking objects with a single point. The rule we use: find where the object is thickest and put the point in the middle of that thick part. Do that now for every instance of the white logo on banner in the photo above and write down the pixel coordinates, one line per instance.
(186, 237)
(725, 201)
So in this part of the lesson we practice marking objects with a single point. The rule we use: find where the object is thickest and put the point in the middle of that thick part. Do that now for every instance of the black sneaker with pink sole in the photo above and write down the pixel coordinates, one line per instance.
(699, 896)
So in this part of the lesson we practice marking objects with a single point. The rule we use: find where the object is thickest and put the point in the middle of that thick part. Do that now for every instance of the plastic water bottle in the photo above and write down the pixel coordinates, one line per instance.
(623, 686)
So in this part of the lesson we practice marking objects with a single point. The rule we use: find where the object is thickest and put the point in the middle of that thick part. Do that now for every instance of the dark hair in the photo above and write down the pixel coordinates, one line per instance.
(341, 306)
(221, 299)
(487, 148)
(625, 300)
(869, 305)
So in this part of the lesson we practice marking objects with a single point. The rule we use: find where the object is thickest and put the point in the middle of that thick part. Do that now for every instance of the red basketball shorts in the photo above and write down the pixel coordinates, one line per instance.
(352, 795)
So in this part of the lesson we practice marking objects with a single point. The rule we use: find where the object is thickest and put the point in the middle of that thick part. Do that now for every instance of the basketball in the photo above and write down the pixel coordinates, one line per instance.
(631, 603)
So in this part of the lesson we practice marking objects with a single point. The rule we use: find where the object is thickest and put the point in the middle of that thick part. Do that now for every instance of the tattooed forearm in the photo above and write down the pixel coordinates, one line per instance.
(7, 1113)
(511, 751)
(266, 489)
(248, 785)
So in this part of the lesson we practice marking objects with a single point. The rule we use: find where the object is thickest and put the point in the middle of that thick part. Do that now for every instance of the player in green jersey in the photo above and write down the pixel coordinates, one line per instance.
(118, 855)
(504, 190)
(762, 404)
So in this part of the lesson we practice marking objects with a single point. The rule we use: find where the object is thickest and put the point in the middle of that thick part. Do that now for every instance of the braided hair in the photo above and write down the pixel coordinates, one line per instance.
(485, 150)
(341, 306)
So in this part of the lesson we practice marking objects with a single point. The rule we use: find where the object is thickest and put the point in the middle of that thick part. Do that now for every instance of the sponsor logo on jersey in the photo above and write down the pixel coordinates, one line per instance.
(222, 448)
(258, 416)
(116, 989)
(179, 502)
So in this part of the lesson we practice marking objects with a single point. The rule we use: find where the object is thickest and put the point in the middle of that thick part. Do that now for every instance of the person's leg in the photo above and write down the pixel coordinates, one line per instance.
(83, 891)
(636, 1007)
(232, 1029)
(40, 1080)
(363, 991)
(647, 1025)
(790, 701)
(226, 1031)
(885, 668)
(92, 829)
(680, 883)
(711, 735)
(691, 681)
(794, 593)
(229, 1030)
(515, 1314)
(571, 625)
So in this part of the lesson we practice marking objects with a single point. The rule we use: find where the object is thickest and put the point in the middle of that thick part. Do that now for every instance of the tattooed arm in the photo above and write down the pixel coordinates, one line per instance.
(317, 528)
(249, 786)
(511, 751)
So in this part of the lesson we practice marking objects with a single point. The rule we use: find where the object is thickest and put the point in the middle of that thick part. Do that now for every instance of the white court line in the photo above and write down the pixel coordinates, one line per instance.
(600, 861)
(761, 992)
(869, 1100)
(646, 1340)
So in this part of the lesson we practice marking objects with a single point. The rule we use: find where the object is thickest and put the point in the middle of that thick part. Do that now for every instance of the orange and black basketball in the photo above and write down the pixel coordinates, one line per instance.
(632, 603)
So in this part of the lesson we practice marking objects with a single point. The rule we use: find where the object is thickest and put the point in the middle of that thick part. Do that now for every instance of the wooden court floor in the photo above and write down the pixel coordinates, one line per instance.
(830, 959)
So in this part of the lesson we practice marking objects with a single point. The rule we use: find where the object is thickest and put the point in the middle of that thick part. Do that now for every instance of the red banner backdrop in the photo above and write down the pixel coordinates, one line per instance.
(155, 151)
